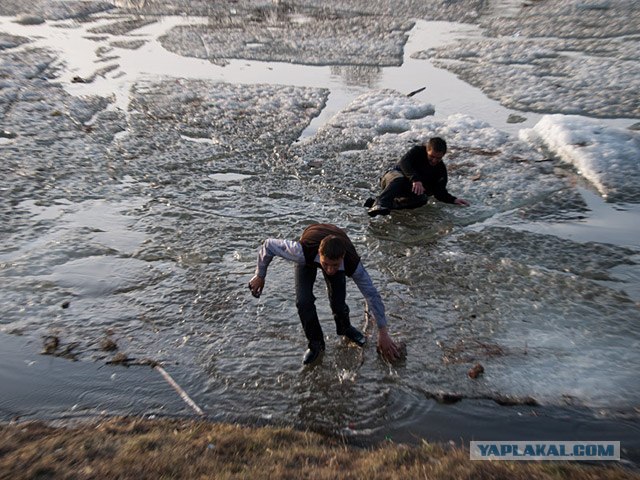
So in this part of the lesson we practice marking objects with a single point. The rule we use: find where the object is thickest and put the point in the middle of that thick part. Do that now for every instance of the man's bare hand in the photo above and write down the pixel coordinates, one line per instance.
(256, 284)
(461, 201)
(387, 348)
(417, 188)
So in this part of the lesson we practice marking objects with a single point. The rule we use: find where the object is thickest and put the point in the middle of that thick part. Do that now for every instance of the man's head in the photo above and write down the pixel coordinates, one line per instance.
(436, 148)
(331, 253)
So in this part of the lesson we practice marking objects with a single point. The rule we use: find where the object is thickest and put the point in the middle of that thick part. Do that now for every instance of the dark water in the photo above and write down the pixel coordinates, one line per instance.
(55, 389)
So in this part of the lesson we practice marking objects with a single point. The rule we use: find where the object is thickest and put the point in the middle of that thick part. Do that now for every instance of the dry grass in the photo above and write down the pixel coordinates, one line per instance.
(134, 448)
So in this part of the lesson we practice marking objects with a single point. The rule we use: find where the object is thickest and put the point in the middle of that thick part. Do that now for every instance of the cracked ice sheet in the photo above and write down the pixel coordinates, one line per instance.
(486, 166)
(519, 297)
(160, 182)
(572, 57)
(53, 10)
(313, 39)
(606, 156)
(460, 10)
(546, 321)
(231, 117)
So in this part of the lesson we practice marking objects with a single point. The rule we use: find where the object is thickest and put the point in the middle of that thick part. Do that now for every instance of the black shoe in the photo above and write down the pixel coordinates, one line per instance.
(355, 336)
(312, 355)
(369, 203)
(378, 210)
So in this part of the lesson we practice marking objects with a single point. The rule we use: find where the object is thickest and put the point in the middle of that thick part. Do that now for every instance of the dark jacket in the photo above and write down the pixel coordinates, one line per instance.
(416, 167)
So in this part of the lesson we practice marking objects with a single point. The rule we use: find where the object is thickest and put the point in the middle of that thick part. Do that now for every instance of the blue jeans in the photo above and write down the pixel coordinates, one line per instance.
(305, 277)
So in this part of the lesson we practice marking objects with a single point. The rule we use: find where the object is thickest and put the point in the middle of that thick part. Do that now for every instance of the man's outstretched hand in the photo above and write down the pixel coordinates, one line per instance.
(256, 284)
(387, 348)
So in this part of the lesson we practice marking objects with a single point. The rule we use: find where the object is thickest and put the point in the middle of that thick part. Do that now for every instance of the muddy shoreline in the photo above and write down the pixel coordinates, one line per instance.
(56, 391)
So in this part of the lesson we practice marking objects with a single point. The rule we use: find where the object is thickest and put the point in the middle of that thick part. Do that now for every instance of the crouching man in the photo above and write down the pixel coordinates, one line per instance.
(328, 248)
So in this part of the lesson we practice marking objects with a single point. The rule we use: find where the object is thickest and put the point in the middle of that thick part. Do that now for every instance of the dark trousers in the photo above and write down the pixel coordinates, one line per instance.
(305, 277)
(396, 192)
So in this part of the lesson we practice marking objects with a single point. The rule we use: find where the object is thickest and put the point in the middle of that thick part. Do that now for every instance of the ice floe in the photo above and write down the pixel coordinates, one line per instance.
(460, 10)
(53, 10)
(322, 40)
(572, 57)
(548, 75)
(608, 157)
(490, 168)
(11, 41)
(238, 117)
(528, 306)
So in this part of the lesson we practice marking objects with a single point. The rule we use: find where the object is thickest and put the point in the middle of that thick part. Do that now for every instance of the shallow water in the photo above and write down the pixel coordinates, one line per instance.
(150, 236)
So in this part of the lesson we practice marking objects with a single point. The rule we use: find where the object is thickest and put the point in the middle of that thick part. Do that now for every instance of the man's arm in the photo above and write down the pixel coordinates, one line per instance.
(408, 162)
(272, 247)
(371, 296)
(440, 190)
(374, 303)
(287, 249)
(443, 195)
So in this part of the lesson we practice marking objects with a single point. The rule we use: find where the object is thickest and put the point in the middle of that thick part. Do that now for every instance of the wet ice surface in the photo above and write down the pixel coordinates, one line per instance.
(53, 10)
(607, 157)
(462, 10)
(138, 201)
(571, 57)
(350, 152)
(317, 39)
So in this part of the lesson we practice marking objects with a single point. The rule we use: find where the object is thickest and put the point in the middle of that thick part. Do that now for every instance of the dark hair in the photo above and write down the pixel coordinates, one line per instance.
(332, 247)
(437, 144)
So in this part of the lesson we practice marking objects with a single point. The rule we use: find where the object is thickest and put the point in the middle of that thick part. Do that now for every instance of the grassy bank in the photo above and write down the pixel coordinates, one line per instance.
(136, 448)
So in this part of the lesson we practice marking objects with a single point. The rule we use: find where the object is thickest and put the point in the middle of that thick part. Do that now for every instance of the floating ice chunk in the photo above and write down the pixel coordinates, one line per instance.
(392, 126)
(473, 132)
(228, 176)
(606, 156)
(229, 116)
(338, 40)
(487, 166)
(418, 111)
(570, 57)
(376, 108)
(27, 19)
